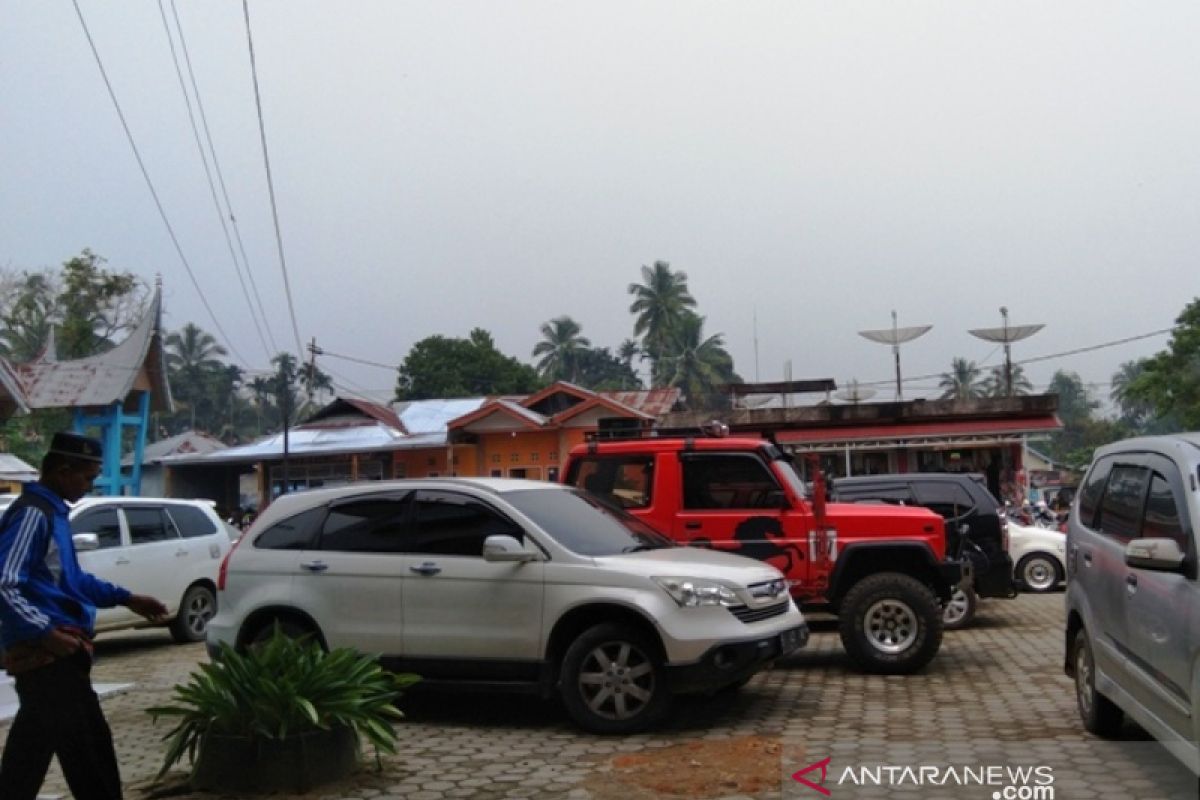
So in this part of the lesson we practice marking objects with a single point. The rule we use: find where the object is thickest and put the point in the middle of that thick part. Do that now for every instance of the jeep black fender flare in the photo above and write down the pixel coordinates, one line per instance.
(859, 559)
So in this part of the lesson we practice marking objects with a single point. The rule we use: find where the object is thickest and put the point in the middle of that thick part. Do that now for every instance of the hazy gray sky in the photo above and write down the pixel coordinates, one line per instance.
(446, 165)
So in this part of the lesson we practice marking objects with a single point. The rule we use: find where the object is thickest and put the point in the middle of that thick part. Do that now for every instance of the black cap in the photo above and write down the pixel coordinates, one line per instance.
(75, 445)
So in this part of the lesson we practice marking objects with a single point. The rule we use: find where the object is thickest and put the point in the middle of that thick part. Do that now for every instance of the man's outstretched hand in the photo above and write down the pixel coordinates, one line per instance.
(147, 606)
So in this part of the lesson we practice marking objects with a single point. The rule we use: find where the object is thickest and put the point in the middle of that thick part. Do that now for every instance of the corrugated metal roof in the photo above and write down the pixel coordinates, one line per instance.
(431, 416)
(654, 402)
(14, 469)
(186, 443)
(103, 379)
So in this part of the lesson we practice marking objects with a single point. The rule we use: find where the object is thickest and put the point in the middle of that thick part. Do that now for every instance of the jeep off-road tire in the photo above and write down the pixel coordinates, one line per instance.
(960, 611)
(890, 624)
(613, 680)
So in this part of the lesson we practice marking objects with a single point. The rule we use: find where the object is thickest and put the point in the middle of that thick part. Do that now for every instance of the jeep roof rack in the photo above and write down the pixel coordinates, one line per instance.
(614, 430)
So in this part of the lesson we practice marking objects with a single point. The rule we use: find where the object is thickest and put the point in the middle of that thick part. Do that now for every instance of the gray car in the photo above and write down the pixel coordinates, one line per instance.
(1133, 598)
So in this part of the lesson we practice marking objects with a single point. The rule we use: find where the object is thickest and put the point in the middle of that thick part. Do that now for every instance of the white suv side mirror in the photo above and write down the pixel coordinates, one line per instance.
(501, 547)
(85, 541)
(1163, 555)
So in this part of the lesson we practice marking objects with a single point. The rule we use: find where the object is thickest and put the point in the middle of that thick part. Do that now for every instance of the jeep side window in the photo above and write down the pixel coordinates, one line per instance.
(1124, 497)
(1162, 514)
(723, 481)
(625, 480)
(1093, 488)
(945, 498)
(374, 525)
(451, 524)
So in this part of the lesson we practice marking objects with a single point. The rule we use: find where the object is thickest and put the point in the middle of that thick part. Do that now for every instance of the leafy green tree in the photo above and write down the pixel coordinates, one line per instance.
(29, 302)
(439, 366)
(697, 364)
(628, 351)
(600, 370)
(962, 382)
(660, 304)
(1169, 381)
(1081, 432)
(560, 348)
(995, 385)
(193, 361)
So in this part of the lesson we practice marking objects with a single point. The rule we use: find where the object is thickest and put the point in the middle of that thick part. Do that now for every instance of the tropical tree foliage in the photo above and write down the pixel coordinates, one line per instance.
(600, 370)
(696, 364)
(1081, 432)
(1169, 381)
(962, 382)
(439, 366)
(560, 350)
(661, 301)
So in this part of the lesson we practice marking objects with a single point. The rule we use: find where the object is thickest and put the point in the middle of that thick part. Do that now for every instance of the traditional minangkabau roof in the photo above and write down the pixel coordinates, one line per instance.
(138, 363)
(12, 396)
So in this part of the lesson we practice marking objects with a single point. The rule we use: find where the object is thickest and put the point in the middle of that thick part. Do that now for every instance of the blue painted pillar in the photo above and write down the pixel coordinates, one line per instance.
(112, 423)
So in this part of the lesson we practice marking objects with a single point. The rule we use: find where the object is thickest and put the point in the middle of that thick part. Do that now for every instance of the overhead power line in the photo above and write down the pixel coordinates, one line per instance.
(150, 184)
(212, 189)
(262, 135)
(389, 367)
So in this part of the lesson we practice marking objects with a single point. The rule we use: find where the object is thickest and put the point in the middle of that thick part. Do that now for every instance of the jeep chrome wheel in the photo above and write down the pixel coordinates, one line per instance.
(890, 623)
(612, 680)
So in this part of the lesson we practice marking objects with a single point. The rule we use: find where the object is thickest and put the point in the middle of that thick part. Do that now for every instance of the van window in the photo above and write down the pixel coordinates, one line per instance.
(103, 522)
(1121, 507)
(1093, 489)
(1162, 513)
(148, 525)
(191, 521)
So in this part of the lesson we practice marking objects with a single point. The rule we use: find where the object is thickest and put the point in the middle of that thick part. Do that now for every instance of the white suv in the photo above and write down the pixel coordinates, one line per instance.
(166, 548)
(508, 583)
(1133, 595)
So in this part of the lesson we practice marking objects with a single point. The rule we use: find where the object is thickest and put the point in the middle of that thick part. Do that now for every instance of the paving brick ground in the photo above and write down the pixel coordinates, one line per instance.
(995, 697)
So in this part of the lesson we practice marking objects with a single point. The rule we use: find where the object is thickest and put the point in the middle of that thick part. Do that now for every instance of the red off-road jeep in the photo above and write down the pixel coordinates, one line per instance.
(882, 569)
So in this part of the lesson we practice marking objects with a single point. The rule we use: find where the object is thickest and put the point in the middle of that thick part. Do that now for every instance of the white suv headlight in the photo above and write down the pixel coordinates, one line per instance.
(695, 592)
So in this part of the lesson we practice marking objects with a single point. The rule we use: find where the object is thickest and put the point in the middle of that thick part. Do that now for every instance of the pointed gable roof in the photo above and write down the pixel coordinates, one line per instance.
(346, 410)
(138, 363)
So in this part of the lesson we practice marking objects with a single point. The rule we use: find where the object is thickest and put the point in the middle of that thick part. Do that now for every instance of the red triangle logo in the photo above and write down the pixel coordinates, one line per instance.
(822, 765)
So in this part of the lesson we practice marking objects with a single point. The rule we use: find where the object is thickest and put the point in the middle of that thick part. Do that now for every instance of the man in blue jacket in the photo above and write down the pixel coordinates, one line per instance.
(47, 618)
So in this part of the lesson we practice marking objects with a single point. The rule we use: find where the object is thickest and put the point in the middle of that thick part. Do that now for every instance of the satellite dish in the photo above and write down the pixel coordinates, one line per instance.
(853, 393)
(895, 337)
(1006, 335)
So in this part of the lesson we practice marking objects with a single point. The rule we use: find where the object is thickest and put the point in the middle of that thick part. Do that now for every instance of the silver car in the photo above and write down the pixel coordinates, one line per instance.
(1133, 598)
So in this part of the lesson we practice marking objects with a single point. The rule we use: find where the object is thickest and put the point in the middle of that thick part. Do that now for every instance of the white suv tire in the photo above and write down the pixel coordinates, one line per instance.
(613, 680)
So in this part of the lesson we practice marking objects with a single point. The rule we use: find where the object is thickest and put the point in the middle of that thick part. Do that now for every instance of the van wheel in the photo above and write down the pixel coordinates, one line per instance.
(198, 606)
(1099, 715)
(613, 680)
(959, 613)
(890, 624)
(1039, 572)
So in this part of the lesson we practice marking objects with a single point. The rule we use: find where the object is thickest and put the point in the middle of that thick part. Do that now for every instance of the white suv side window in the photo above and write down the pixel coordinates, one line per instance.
(372, 525)
(149, 525)
(450, 524)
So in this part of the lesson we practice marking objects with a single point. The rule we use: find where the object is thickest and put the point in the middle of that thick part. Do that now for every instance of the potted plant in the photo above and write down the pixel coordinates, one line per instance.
(283, 715)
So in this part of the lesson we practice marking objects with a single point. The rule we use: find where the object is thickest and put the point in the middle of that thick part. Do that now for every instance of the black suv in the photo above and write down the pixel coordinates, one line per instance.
(963, 500)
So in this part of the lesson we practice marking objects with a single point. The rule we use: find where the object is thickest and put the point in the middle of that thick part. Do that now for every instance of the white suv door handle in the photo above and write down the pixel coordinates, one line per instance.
(315, 566)
(427, 568)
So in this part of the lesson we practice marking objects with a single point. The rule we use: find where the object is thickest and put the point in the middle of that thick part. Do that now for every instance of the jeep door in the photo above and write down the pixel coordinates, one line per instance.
(1162, 608)
(460, 610)
(733, 502)
(351, 583)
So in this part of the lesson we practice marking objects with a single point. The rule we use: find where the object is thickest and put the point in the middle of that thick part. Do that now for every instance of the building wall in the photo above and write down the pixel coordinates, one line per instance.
(534, 454)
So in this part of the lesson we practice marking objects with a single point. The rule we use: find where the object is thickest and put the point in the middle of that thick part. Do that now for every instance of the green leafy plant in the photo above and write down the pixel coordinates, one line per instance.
(283, 687)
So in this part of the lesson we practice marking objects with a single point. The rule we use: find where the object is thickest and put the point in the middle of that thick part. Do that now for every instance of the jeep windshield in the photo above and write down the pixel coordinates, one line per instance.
(787, 469)
(585, 524)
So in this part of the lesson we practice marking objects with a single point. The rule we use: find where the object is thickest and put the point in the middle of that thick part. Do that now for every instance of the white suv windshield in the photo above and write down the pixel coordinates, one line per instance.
(585, 524)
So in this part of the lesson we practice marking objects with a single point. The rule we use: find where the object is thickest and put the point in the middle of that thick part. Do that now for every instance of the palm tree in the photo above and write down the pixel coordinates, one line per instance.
(660, 303)
(696, 364)
(560, 349)
(628, 351)
(962, 381)
(996, 386)
(192, 360)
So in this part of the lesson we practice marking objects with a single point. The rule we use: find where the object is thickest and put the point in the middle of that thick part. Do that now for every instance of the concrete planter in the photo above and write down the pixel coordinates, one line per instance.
(296, 763)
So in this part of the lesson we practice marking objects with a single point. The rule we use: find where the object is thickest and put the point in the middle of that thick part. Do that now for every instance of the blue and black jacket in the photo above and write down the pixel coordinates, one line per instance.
(41, 584)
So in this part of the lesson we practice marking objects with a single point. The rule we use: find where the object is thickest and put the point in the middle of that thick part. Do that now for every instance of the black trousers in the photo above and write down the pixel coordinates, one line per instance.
(60, 716)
